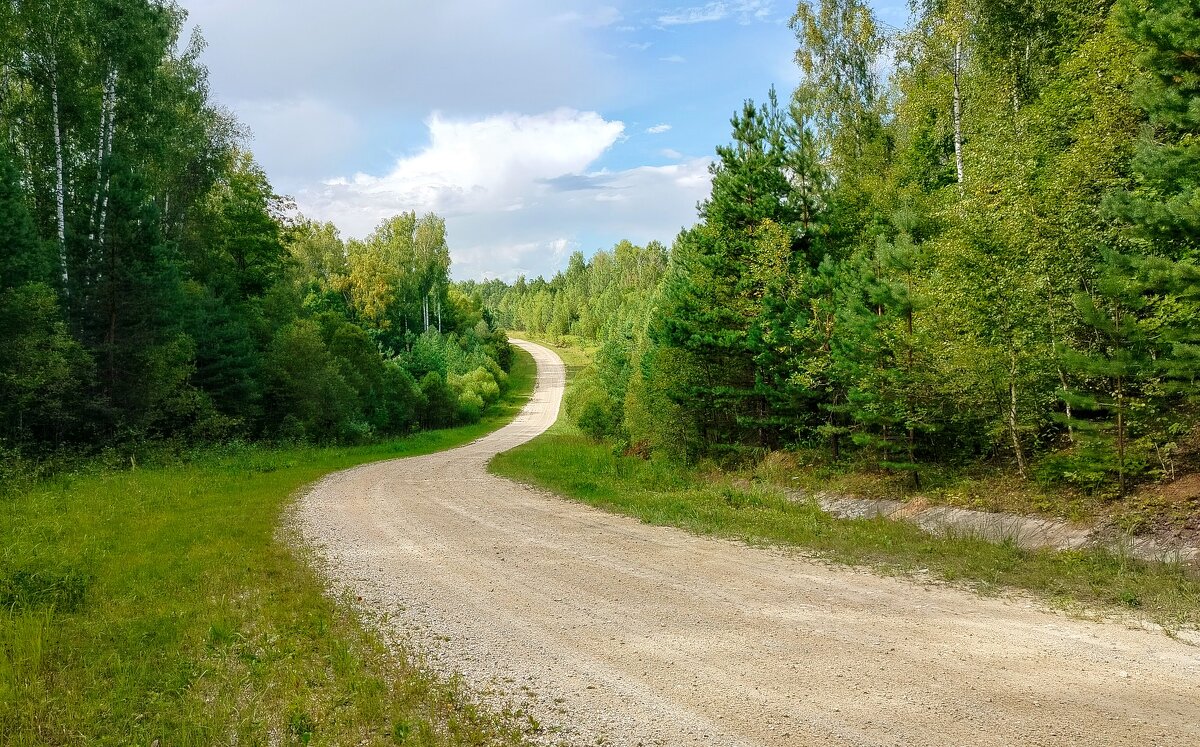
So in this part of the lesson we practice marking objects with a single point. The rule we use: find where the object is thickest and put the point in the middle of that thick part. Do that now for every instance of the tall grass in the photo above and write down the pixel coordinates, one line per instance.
(160, 604)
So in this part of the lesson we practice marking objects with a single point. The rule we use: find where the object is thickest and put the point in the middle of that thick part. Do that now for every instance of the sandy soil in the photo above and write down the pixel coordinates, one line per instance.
(608, 631)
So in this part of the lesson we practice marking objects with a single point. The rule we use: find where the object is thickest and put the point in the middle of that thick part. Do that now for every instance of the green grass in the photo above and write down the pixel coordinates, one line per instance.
(568, 463)
(162, 604)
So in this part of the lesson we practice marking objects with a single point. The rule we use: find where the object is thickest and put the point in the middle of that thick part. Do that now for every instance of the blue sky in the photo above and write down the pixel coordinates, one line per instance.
(535, 127)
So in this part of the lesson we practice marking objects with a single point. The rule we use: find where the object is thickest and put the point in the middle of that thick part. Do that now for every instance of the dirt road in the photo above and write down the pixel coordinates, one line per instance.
(609, 631)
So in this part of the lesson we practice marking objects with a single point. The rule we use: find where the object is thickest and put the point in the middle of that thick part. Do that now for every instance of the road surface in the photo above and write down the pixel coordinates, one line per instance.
(609, 631)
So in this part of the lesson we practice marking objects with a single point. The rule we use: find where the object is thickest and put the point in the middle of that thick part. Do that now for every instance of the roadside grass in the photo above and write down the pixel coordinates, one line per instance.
(570, 464)
(164, 606)
(972, 486)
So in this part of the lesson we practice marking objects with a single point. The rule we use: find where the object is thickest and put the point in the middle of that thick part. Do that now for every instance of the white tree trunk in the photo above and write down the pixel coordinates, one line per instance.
(102, 147)
(958, 137)
(1012, 413)
(59, 185)
(110, 99)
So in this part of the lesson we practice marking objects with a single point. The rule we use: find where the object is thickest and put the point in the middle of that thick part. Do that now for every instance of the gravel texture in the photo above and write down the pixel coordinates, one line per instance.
(608, 631)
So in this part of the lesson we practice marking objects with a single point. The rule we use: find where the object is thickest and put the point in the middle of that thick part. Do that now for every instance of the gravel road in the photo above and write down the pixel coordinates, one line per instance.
(608, 631)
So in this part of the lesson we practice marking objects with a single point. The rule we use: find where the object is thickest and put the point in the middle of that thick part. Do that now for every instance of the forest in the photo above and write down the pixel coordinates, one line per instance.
(154, 288)
(983, 251)
(972, 239)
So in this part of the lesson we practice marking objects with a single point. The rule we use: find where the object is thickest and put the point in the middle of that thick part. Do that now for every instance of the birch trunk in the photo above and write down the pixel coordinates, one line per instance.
(59, 182)
(1062, 375)
(1012, 414)
(103, 151)
(111, 100)
(958, 137)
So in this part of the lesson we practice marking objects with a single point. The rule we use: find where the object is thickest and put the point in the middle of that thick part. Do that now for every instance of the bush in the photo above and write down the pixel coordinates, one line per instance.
(401, 401)
(589, 406)
(441, 405)
(43, 371)
(470, 407)
(306, 384)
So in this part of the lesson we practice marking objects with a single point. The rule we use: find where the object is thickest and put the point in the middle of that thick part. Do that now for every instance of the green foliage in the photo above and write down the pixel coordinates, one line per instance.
(912, 272)
(154, 285)
(44, 372)
(154, 604)
(23, 257)
(1164, 207)
(306, 385)
(441, 406)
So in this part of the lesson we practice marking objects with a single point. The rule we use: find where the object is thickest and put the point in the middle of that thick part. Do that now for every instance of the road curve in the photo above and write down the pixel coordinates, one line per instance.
(609, 631)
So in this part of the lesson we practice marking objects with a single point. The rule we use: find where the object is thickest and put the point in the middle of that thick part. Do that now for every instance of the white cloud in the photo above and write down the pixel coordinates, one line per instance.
(673, 59)
(758, 10)
(406, 58)
(658, 129)
(519, 192)
(478, 164)
(744, 10)
(702, 14)
(283, 128)
(598, 18)
(671, 153)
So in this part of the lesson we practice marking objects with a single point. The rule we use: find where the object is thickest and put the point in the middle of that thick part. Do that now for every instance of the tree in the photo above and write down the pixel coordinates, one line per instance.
(1164, 209)
(758, 226)
(23, 258)
(1117, 400)
(838, 46)
(44, 373)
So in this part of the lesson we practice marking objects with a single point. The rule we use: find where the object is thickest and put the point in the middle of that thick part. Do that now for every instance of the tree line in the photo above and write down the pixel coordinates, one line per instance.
(153, 285)
(973, 238)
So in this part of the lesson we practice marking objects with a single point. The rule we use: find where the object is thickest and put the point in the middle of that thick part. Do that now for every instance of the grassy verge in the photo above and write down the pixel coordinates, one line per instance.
(157, 606)
(570, 464)
(1171, 508)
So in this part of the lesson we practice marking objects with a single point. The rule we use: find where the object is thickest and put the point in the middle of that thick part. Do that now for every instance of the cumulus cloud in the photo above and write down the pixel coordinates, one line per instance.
(658, 129)
(519, 192)
(483, 164)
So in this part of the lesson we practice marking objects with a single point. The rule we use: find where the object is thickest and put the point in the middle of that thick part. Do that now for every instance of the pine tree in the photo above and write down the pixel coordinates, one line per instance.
(1164, 209)
(23, 258)
(1120, 395)
(733, 271)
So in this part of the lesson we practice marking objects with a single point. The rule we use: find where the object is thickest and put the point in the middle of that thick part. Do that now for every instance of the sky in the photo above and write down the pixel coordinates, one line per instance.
(534, 127)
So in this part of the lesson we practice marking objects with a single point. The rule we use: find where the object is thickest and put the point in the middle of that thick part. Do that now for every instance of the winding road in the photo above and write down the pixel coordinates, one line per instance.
(609, 631)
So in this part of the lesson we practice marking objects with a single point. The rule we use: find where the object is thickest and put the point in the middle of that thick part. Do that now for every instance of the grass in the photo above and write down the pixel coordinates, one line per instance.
(568, 463)
(981, 487)
(161, 606)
